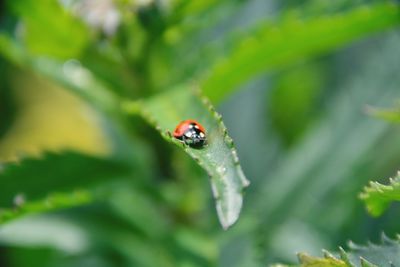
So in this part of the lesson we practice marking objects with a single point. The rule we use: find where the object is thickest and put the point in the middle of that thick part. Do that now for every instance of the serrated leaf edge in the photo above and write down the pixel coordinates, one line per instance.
(53, 202)
(343, 258)
(137, 107)
(381, 190)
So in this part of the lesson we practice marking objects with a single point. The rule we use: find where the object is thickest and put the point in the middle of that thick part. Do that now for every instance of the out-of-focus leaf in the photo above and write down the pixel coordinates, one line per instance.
(7, 103)
(70, 74)
(275, 45)
(219, 158)
(10, 50)
(34, 257)
(390, 115)
(377, 197)
(292, 104)
(194, 7)
(53, 202)
(52, 116)
(334, 159)
(327, 261)
(33, 179)
(385, 254)
(63, 36)
(139, 210)
(190, 25)
(47, 232)
(75, 77)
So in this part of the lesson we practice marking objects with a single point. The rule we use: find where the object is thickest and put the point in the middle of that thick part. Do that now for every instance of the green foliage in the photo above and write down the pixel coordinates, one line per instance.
(219, 158)
(139, 200)
(388, 114)
(385, 254)
(327, 261)
(53, 202)
(72, 75)
(291, 39)
(321, 175)
(377, 197)
(291, 97)
(31, 185)
(80, 80)
(10, 50)
(60, 26)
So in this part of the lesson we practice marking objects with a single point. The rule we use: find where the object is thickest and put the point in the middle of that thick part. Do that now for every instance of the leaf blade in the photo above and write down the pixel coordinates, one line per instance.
(219, 158)
(52, 182)
(273, 46)
(53, 202)
(387, 114)
(57, 41)
(377, 197)
(387, 253)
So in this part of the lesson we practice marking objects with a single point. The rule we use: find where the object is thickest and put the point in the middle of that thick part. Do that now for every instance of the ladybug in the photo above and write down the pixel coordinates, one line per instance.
(191, 133)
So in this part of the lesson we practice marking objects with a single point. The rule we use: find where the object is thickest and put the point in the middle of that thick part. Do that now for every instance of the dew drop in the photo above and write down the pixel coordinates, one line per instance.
(19, 200)
(221, 170)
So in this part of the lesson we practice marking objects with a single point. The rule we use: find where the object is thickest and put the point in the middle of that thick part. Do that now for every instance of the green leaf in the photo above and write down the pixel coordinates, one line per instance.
(387, 114)
(194, 7)
(10, 50)
(327, 261)
(78, 79)
(64, 36)
(219, 158)
(290, 97)
(385, 254)
(70, 74)
(342, 145)
(53, 202)
(30, 185)
(292, 39)
(377, 197)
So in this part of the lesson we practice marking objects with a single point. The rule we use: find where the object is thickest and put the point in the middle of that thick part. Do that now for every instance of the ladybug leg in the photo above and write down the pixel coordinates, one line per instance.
(184, 140)
(169, 134)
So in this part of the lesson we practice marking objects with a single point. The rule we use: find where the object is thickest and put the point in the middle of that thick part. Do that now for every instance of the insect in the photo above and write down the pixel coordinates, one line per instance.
(191, 133)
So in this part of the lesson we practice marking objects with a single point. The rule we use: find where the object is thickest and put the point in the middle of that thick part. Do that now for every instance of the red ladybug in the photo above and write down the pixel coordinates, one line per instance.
(191, 133)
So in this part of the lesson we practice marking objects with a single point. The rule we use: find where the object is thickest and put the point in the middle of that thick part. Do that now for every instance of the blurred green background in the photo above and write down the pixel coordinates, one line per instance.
(291, 78)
